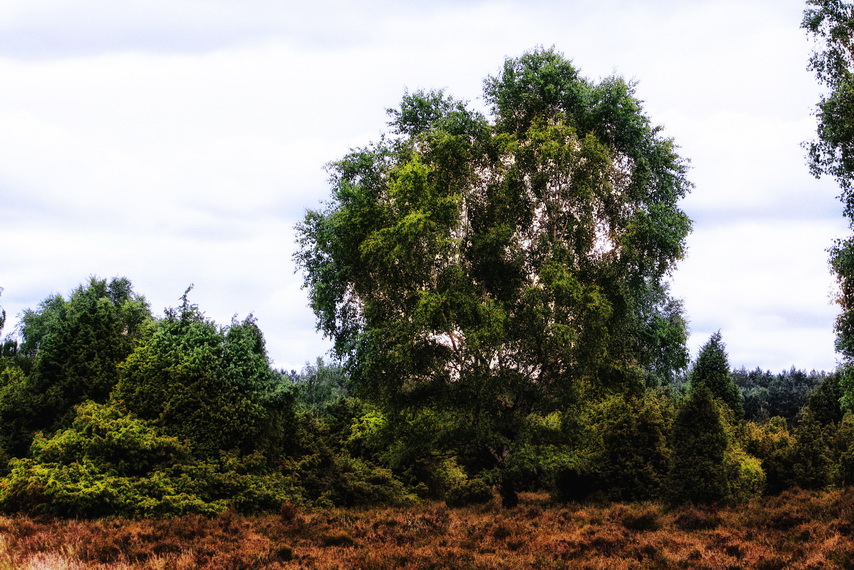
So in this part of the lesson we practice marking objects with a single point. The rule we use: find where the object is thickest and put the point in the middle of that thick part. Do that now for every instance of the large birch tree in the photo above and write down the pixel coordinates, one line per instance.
(496, 266)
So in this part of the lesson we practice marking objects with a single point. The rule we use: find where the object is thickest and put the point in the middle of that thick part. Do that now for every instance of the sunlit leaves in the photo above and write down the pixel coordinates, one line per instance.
(491, 264)
(831, 24)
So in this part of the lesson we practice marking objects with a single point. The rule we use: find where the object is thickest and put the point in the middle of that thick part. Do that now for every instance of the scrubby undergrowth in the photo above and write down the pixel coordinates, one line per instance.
(798, 529)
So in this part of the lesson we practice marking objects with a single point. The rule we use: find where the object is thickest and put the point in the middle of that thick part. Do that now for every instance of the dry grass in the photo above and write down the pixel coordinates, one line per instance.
(796, 530)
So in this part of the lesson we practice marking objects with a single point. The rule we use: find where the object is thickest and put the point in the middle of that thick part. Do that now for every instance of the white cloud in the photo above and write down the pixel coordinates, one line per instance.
(178, 142)
(766, 286)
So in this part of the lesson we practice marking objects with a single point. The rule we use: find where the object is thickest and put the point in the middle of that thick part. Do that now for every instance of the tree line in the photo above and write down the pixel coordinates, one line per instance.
(106, 409)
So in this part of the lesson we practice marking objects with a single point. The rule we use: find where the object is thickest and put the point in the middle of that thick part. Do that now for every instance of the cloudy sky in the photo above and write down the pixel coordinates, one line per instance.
(179, 141)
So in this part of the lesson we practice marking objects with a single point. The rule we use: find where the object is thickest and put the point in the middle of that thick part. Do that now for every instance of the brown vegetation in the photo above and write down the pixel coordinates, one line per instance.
(798, 529)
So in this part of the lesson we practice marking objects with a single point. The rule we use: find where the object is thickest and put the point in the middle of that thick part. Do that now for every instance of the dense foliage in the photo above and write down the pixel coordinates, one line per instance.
(105, 409)
(495, 267)
(831, 24)
(197, 421)
(70, 353)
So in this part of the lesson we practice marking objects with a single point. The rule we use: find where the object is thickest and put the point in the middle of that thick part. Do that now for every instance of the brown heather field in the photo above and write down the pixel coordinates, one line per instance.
(796, 530)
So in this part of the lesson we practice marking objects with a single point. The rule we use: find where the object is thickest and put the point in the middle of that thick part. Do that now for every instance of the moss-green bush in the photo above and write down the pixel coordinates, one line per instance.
(338, 479)
(812, 460)
(745, 476)
(635, 453)
(700, 441)
(474, 491)
(361, 483)
(81, 489)
(110, 463)
(575, 479)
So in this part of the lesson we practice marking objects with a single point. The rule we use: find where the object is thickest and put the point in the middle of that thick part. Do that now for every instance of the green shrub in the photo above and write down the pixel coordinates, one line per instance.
(241, 484)
(575, 480)
(361, 483)
(326, 462)
(773, 445)
(745, 476)
(712, 371)
(812, 460)
(338, 479)
(433, 477)
(635, 455)
(823, 402)
(114, 441)
(81, 489)
(700, 441)
(811, 456)
(210, 386)
(845, 467)
(110, 463)
(531, 466)
(709, 465)
(72, 348)
(474, 491)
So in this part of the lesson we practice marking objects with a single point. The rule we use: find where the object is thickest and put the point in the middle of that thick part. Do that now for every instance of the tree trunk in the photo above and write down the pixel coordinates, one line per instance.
(509, 498)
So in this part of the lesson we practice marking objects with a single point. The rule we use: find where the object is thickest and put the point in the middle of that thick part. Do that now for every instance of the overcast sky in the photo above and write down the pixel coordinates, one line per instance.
(179, 141)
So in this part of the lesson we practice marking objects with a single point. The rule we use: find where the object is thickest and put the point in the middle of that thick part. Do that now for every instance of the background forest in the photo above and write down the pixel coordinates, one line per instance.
(497, 291)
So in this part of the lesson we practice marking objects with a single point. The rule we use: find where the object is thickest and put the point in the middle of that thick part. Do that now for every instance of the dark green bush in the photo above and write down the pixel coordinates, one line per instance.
(634, 457)
(474, 491)
(361, 483)
(698, 472)
(70, 353)
(711, 370)
(845, 468)
(338, 479)
(211, 386)
(812, 459)
(335, 460)
(575, 480)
